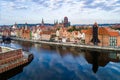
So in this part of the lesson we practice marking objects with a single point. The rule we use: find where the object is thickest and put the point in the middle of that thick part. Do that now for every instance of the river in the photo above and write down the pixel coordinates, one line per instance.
(67, 63)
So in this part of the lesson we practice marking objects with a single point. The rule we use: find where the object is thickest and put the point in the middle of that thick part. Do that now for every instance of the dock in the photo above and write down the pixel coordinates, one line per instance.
(67, 44)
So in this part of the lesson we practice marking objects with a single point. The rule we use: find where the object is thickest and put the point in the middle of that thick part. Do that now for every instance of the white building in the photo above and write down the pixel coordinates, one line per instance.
(64, 40)
(57, 33)
(36, 34)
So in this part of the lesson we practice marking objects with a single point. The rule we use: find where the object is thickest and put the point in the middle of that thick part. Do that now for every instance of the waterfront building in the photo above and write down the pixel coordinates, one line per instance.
(35, 33)
(25, 32)
(74, 36)
(6, 32)
(57, 35)
(20, 32)
(17, 32)
(106, 35)
(46, 35)
(14, 30)
(13, 33)
(82, 36)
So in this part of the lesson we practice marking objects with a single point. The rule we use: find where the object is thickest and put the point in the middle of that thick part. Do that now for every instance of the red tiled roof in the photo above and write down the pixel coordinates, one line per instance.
(114, 33)
(83, 31)
(104, 31)
(46, 32)
(89, 31)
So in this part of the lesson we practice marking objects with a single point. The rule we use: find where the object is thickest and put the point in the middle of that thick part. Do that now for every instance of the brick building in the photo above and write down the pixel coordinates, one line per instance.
(106, 35)
(25, 33)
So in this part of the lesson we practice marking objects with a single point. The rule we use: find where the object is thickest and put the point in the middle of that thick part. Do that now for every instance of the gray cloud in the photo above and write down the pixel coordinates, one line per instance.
(103, 5)
(49, 4)
(12, 4)
(20, 7)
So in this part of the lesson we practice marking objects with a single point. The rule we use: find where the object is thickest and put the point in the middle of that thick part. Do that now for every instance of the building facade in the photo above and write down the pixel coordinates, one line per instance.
(106, 35)
(66, 22)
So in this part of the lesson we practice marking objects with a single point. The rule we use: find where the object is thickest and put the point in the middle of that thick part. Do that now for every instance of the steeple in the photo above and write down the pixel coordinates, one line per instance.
(54, 22)
(57, 22)
(26, 26)
(42, 23)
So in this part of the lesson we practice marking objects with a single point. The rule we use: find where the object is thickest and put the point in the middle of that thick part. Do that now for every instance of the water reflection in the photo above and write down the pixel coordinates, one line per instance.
(95, 55)
(101, 59)
(96, 58)
(26, 45)
(68, 63)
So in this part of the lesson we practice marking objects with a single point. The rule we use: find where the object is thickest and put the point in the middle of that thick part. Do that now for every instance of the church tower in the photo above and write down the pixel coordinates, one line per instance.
(66, 22)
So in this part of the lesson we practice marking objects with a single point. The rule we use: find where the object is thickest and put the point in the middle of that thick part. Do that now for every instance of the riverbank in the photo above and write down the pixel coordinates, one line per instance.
(70, 45)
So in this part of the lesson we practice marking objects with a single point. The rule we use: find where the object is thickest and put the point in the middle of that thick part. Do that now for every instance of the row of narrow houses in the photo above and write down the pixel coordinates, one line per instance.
(66, 36)
(106, 35)
(44, 33)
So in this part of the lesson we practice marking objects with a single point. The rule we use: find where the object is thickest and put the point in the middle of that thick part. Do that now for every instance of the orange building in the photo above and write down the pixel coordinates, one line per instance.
(25, 33)
(106, 35)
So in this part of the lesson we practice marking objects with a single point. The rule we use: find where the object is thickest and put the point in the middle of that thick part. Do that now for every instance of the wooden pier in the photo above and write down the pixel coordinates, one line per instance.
(91, 47)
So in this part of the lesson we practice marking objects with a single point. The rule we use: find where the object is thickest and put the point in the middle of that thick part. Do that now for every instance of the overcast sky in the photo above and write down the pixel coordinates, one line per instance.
(77, 11)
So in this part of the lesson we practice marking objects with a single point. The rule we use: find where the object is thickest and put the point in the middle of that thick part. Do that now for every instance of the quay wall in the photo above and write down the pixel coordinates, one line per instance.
(70, 45)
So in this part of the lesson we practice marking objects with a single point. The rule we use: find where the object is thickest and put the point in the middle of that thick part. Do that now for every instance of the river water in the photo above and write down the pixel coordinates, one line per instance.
(67, 63)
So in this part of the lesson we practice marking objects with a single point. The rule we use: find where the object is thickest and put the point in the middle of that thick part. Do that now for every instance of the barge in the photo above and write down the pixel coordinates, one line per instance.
(11, 59)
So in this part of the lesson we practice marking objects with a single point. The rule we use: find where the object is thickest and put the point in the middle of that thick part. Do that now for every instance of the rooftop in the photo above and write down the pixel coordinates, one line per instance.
(103, 31)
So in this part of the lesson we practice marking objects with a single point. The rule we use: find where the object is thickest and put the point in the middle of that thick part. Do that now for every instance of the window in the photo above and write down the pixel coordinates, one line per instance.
(113, 41)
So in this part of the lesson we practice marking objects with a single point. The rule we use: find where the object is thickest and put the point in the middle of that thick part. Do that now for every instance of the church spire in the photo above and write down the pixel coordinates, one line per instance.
(26, 26)
(42, 23)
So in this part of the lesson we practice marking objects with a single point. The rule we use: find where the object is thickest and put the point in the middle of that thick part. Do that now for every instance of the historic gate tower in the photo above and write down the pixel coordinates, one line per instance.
(95, 39)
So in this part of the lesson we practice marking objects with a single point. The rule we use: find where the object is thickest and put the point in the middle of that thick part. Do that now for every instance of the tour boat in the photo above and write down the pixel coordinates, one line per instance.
(11, 58)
